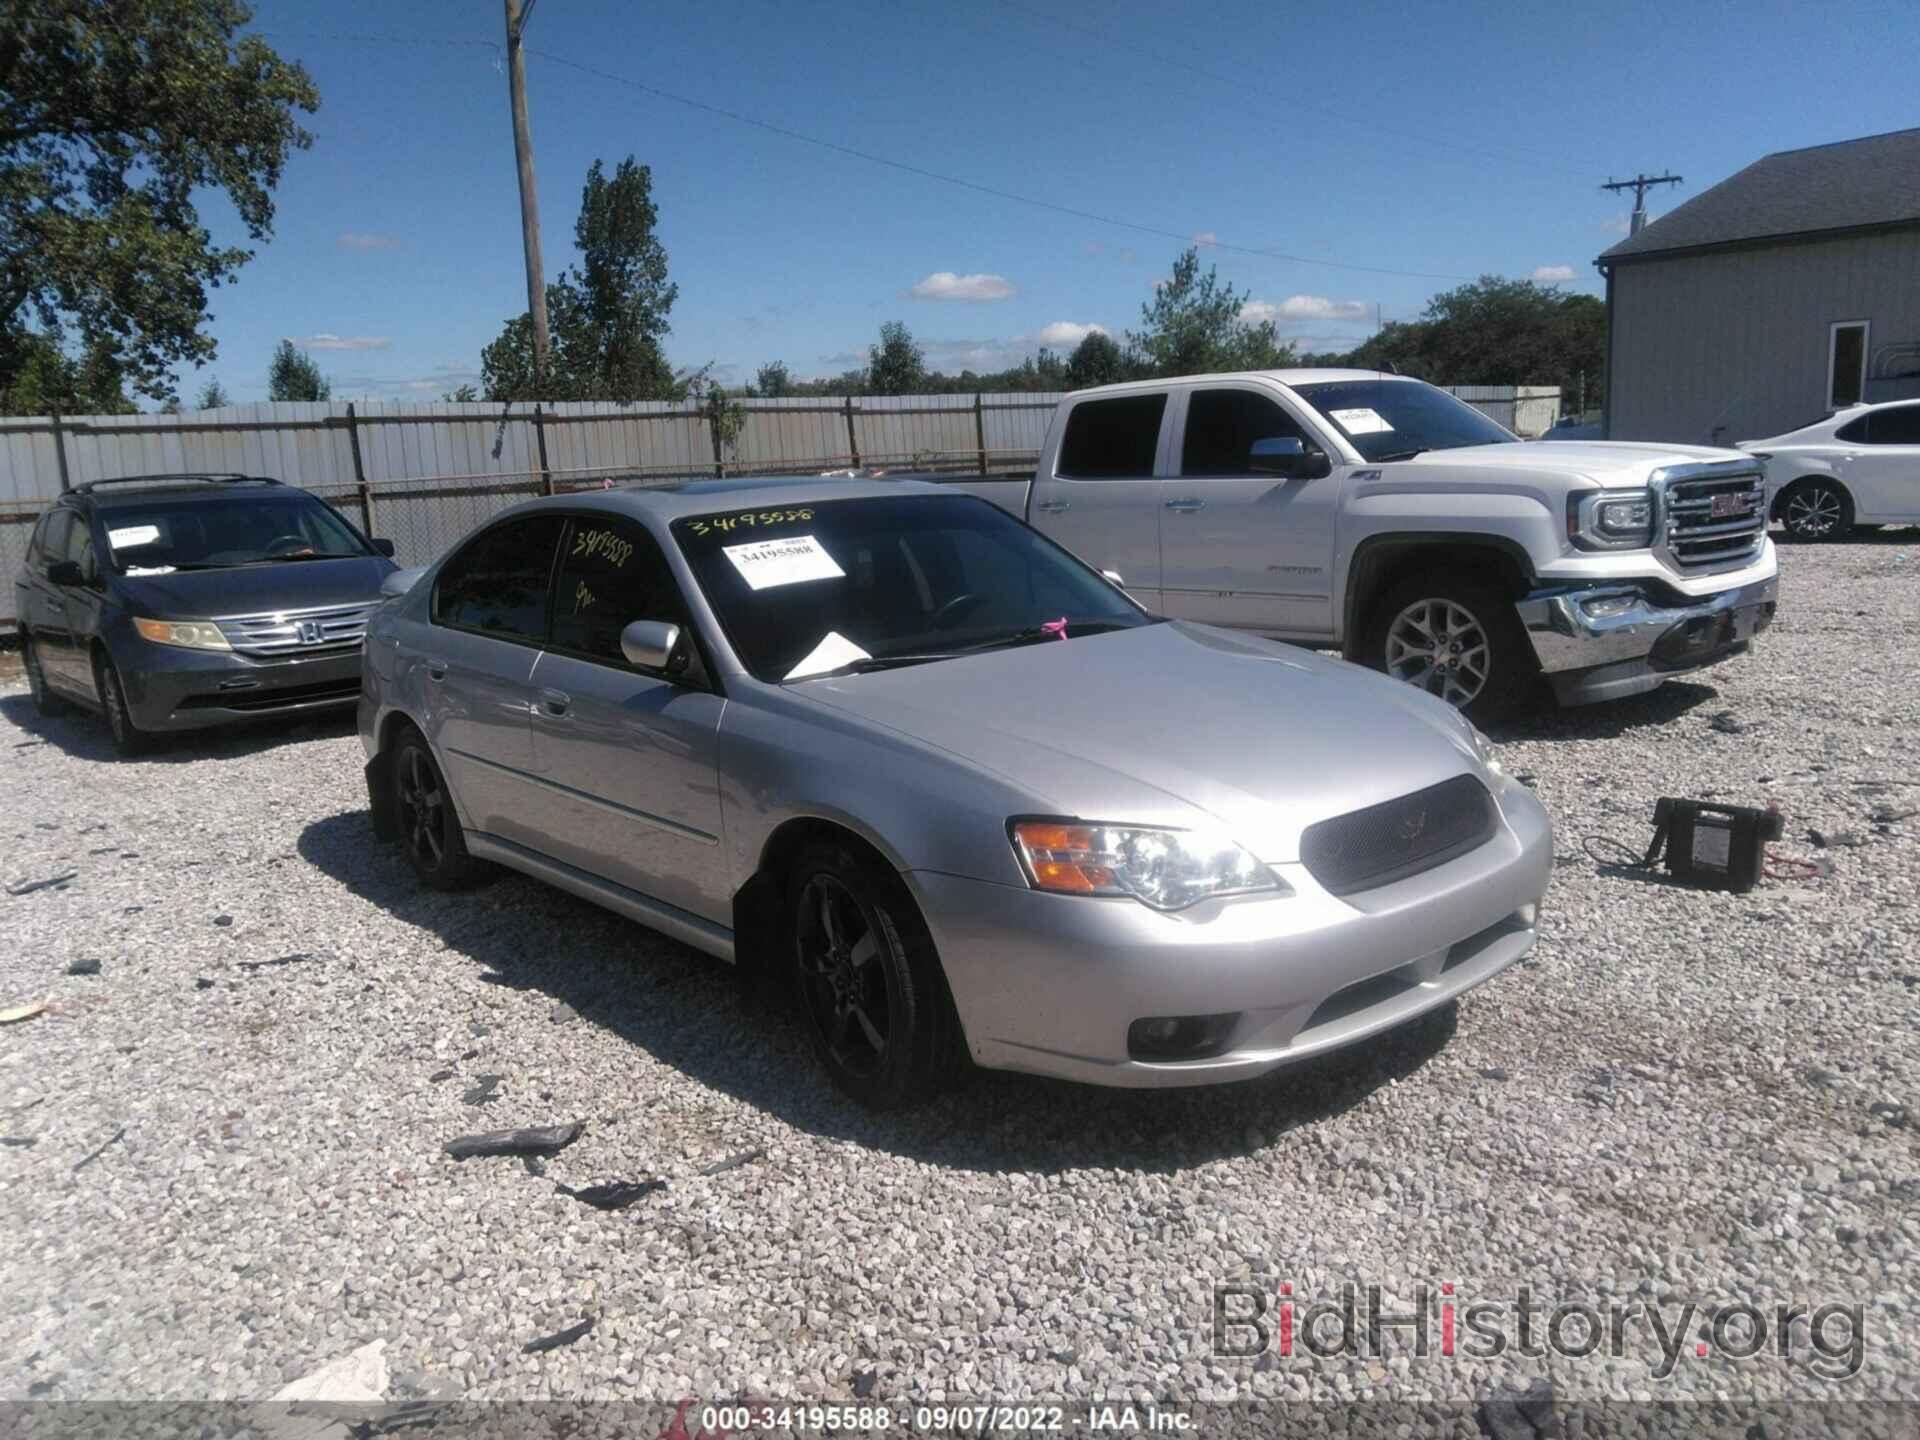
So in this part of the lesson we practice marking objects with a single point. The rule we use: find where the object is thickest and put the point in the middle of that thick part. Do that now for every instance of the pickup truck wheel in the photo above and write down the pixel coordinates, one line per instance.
(1454, 639)
(1816, 510)
(425, 819)
(45, 702)
(869, 979)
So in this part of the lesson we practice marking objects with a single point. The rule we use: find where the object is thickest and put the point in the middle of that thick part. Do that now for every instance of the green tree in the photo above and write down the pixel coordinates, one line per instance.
(1194, 324)
(460, 395)
(294, 376)
(114, 114)
(895, 366)
(1096, 360)
(43, 377)
(212, 395)
(607, 315)
(773, 380)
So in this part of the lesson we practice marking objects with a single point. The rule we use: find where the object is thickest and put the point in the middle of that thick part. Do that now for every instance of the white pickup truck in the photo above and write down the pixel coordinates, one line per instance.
(1376, 513)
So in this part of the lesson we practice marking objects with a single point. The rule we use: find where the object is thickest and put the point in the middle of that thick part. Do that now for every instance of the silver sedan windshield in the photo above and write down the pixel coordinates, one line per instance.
(839, 585)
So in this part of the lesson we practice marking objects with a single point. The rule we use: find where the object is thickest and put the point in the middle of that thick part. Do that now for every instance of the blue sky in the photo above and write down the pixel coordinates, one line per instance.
(1446, 140)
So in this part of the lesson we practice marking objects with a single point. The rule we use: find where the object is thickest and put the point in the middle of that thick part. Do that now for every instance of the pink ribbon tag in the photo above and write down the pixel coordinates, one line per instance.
(1055, 628)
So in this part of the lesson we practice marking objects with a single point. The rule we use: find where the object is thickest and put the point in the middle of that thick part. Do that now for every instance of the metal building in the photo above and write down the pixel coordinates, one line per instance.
(1775, 297)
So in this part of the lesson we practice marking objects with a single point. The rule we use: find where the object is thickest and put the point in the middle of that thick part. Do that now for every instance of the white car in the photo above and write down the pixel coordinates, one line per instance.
(1859, 466)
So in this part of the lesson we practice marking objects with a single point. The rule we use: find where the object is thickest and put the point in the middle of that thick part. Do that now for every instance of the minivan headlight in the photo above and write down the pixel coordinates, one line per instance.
(188, 634)
(1164, 868)
(1611, 519)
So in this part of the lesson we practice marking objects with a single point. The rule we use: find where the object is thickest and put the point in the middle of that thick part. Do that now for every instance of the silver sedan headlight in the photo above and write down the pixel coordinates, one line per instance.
(1164, 868)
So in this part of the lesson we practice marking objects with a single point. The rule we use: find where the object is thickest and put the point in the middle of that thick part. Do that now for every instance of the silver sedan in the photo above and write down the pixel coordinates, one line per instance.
(889, 743)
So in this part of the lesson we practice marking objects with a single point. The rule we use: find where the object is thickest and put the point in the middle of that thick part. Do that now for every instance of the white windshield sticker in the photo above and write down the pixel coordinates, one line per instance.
(133, 535)
(149, 570)
(830, 654)
(764, 564)
(1361, 422)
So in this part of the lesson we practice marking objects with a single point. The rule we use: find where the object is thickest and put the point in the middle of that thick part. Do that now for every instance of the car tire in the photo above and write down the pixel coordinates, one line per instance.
(869, 980)
(1815, 509)
(128, 738)
(1457, 639)
(424, 818)
(45, 702)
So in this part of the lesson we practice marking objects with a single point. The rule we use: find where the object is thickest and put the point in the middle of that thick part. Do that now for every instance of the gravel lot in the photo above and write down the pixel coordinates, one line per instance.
(1679, 1096)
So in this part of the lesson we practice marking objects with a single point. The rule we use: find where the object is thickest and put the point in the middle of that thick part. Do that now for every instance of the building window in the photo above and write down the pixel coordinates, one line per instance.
(1846, 363)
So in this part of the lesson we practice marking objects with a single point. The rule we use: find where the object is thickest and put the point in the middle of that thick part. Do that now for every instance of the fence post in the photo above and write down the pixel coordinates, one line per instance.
(712, 408)
(60, 452)
(540, 442)
(980, 430)
(853, 441)
(360, 472)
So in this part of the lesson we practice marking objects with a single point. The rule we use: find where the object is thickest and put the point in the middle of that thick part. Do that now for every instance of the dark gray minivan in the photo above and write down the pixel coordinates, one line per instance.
(172, 602)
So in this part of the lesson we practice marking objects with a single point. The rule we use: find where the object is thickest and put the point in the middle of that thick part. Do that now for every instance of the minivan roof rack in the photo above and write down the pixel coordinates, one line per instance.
(217, 477)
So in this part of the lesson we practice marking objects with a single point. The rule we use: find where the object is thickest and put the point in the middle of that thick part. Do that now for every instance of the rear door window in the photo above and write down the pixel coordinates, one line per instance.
(1112, 439)
(611, 574)
(1899, 425)
(497, 584)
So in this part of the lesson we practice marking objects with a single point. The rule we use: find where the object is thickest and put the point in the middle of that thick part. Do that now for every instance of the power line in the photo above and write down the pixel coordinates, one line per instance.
(1235, 86)
(1184, 237)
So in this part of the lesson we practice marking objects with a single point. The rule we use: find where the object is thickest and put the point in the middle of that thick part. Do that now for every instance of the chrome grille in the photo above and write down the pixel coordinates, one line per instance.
(1715, 519)
(298, 632)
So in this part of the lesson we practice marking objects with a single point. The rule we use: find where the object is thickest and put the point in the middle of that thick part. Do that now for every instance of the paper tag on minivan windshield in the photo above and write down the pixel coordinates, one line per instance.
(1361, 421)
(764, 564)
(129, 535)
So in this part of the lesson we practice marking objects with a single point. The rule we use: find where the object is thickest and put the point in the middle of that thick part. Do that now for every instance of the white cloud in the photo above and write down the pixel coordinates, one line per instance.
(1065, 334)
(1298, 309)
(325, 341)
(366, 240)
(1205, 238)
(945, 285)
(1553, 274)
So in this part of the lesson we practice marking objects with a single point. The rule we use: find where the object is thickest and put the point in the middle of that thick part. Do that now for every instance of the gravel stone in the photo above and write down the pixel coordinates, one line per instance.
(1015, 1237)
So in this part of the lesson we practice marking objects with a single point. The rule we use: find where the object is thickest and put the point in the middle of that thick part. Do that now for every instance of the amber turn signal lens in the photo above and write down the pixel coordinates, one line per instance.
(1064, 858)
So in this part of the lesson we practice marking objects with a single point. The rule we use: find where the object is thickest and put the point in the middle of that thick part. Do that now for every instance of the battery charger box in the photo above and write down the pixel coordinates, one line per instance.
(1713, 847)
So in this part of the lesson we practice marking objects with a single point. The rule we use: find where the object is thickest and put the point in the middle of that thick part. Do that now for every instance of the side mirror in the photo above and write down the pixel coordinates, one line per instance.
(66, 572)
(1289, 457)
(383, 545)
(650, 644)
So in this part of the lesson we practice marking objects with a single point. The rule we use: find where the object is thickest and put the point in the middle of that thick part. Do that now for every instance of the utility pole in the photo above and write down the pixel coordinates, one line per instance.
(1640, 184)
(517, 17)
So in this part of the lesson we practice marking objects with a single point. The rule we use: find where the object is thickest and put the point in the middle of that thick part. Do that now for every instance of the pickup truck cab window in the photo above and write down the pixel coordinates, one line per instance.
(1390, 419)
(1112, 439)
(1222, 426)
(497, 585)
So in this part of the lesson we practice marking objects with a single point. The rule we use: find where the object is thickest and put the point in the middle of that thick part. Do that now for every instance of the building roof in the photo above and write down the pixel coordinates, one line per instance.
(1848, 185)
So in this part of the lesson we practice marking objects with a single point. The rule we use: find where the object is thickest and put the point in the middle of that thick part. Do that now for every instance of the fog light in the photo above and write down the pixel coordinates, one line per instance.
(1603, 607)
(1179, 1037)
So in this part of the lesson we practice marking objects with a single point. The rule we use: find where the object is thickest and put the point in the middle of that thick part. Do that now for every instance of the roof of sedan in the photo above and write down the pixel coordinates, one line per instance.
(706, 497)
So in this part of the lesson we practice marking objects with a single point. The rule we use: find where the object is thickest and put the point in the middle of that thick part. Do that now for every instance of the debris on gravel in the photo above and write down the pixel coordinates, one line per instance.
(616, 1195)
(558, 1338)
(536, 1140)
(1014, 1237)
(84, 967)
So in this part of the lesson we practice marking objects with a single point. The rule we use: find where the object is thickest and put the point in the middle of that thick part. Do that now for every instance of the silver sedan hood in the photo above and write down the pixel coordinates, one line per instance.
(1155, 724)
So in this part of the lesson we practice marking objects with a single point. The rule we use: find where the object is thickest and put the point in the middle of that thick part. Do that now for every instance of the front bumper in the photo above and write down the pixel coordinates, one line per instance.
(1616, 638)
(170, 688)
(1051, 983)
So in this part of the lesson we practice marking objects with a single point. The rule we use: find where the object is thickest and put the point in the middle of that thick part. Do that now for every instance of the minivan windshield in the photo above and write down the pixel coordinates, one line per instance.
(1388, 419)
(842, 586)
(149, 537)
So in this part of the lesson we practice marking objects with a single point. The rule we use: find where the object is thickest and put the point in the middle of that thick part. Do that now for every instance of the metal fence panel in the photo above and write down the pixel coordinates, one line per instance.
(423, 475)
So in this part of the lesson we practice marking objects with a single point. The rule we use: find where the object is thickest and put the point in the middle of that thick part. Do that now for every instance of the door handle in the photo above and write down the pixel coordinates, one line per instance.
(1186, 506)
(1054, 507)
(555, 702)
(436, 669)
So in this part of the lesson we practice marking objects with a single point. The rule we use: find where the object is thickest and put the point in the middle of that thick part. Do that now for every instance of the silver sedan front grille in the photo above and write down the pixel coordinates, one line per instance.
(1715, 520)
(298, 632)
